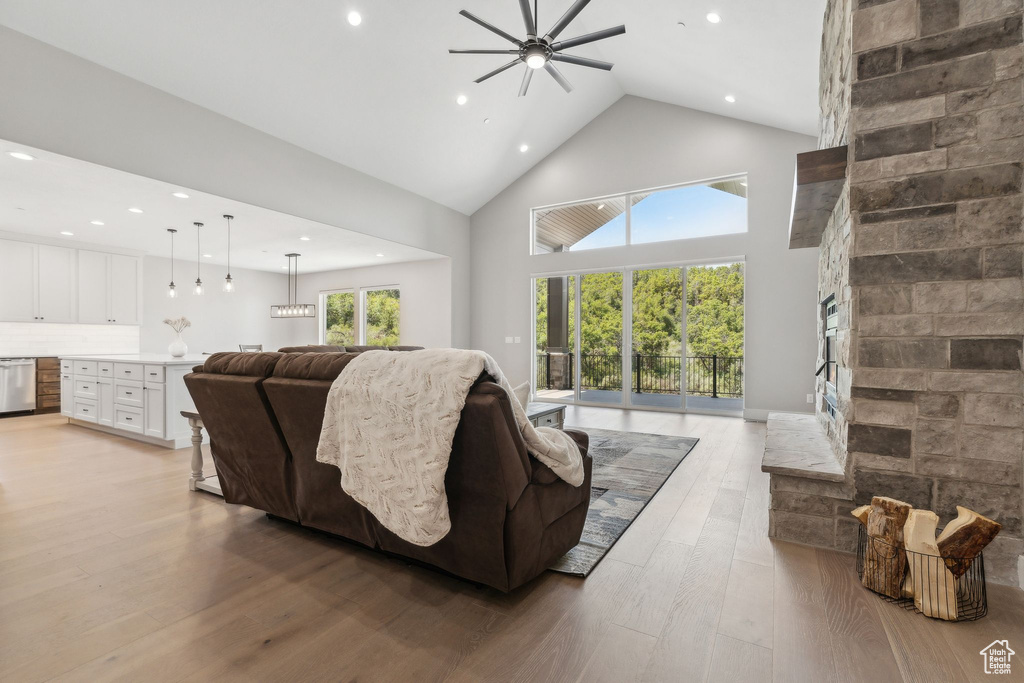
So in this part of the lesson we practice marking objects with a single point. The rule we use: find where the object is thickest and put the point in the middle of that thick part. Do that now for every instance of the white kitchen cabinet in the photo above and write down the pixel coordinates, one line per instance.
(55, 284)
(156, 410)
(108, 288)
(92, 287)
(125, 279)
(67, 393)
(105, 401)
(17, 281)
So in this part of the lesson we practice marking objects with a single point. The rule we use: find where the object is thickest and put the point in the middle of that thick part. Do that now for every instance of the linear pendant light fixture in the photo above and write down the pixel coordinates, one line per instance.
(229, 284)
(171, 291)
(292, 309)
(199, 259)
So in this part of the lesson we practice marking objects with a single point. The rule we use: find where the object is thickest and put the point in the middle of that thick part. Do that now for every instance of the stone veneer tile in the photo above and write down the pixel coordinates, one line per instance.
(1005, 261)
(803, 503)
(940, 297)
(885, 299)
(951, 264)
(975, 11)
(891, 413)
(884, 394)
(870, 118)
(886, 142)
(917, 491)
(988, 471)
(895, 215)
(997, 94)
(882, 462)
(809, 529)
(996, 296)
(895, 326)
(994, 409)
(880, 62)
(903, 353)
(938, 188)
(939, 15)
(1001, 123)
(959, 380)
(931, 404)
(970, 72)
(889, 441)
(935, 437)
(991, 152)
(963, 324)
(1001, 503)
(891, 379)
(1009, 63)
(892, 22)
(991, 221)
(846, 534)
(966, 41)
(956, 130)
(1004, 444)
(814, 487)
(984, 354)
(929, 233)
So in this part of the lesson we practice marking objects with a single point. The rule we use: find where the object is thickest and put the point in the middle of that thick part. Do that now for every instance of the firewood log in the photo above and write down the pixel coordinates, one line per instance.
(861, 513)
(965, 537)
(884, 557)
(933, 585)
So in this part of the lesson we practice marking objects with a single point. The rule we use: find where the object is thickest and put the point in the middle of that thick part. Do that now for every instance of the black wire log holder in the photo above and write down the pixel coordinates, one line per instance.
(950, 588)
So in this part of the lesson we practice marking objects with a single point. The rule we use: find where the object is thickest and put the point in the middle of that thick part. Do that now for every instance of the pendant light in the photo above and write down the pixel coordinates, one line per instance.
(229, 284)
(292, 309)
(199, 258)
(171, 291)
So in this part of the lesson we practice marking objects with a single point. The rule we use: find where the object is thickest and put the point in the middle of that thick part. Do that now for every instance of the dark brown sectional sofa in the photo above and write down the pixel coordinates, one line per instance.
(511, 516)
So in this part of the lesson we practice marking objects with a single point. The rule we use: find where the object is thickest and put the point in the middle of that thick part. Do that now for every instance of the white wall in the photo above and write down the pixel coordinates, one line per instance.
(637, 144)
(220, 321)
(58, 102)
(425, 310)
(58, 339)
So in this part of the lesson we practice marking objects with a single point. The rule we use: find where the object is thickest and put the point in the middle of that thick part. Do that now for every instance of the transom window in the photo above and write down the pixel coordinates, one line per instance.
(717, 207)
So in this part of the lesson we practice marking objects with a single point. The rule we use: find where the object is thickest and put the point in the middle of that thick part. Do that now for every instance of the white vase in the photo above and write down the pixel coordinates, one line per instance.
(178, 347)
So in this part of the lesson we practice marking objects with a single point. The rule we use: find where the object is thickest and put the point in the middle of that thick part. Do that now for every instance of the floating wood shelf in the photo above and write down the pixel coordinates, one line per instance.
(820, 176)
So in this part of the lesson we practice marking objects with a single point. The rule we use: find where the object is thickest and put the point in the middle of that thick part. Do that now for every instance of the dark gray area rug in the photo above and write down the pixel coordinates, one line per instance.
(629, 468)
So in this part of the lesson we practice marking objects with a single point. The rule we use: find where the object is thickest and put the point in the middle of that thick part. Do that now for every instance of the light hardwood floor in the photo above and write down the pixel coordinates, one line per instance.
(111, 569)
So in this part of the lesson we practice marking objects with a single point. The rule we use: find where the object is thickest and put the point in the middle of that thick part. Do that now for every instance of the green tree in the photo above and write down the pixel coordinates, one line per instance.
(382, 317)
(340, 319)
(714, 310)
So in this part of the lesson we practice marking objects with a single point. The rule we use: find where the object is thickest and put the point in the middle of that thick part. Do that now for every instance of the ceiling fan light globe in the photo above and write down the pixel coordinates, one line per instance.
(536, 61)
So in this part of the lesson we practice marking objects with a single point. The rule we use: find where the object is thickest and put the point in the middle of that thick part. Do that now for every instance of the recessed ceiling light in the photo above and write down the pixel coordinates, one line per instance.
(714, 17)
(65, 232)
(135, 209)
(355, 18)
(179, 195)
(97, 222)
(304, 239)
(207, 255)
(380, 255)
(523, 148)
(487, 120)
(600, 206)
(22, 156)
(460, 100)
(730, 98)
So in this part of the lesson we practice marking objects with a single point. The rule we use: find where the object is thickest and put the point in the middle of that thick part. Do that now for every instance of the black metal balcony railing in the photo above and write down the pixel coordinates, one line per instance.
(715, 376)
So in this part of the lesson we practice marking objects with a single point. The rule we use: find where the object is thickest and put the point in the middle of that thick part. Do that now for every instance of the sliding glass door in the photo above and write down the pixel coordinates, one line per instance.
(664, 338)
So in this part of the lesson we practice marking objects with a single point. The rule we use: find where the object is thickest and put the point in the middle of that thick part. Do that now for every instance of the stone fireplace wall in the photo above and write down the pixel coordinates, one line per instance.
(927, 259)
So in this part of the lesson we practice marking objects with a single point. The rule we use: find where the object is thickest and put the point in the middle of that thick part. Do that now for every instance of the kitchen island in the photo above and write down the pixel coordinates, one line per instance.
(137, 396)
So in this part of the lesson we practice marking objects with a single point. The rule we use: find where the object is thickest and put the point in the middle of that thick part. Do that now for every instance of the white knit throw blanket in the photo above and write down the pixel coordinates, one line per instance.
(389, 425)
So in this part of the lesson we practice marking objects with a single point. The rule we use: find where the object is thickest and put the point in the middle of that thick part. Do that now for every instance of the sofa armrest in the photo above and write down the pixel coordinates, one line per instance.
(542, 474)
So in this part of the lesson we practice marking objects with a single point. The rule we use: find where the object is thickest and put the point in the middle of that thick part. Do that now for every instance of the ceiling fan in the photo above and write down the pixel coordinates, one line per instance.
(540, 51)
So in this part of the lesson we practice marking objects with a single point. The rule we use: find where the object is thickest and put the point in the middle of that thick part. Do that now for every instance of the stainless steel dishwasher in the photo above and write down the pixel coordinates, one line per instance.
(17, 384)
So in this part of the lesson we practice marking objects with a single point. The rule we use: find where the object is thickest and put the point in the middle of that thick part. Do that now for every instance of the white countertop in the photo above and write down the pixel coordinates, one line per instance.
(150, 358)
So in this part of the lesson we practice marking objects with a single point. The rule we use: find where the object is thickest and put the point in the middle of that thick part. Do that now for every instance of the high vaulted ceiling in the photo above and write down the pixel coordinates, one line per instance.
(381, 97)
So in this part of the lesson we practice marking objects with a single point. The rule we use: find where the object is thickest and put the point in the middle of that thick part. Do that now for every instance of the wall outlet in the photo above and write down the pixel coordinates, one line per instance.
(810, 398)
(508, 340)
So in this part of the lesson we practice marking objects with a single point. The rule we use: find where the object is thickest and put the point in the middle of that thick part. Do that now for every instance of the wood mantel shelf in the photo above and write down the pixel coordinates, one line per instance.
(820, 176)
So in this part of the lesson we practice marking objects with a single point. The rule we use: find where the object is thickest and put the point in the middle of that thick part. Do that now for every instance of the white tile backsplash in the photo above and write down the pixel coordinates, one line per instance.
(56, 339)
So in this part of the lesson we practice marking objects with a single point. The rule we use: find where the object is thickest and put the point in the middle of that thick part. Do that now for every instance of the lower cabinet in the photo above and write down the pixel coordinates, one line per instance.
(156, 410)
(105, 391)
(67, 394)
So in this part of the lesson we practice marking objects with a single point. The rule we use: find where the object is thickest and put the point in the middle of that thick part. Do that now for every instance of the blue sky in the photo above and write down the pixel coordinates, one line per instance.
(680, 213)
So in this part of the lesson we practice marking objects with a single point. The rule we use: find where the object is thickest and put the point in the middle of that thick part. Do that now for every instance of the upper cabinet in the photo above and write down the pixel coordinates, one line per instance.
(45, 283)
(108, 288)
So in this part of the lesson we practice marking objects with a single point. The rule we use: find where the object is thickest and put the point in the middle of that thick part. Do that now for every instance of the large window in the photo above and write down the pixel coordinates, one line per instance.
(381, 315)
(682, 212)
(339, 318)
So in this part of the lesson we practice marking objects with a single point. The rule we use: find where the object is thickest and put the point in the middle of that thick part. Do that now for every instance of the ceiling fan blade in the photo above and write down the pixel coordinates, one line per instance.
(484, 52)
(492, 28)
(569, 15)
(498, 70)
(589, 38)
(528, 19)
(583, 61)
(526, 81)
(557, 75)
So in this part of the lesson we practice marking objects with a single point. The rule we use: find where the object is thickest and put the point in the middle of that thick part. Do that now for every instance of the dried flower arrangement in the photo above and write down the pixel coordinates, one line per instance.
(177, 324)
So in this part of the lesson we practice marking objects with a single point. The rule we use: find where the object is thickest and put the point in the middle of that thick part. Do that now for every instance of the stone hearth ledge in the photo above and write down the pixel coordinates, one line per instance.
(796, 446)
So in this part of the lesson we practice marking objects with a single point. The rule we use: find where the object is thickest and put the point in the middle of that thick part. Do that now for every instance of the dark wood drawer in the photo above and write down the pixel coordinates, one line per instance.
(47, 388)
(48, 364)
(48, 376)
(52, 401)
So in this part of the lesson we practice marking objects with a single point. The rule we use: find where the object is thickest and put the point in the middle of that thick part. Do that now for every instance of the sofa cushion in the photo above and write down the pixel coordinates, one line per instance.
(248, 364)
(316, 366)
(311, 348)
